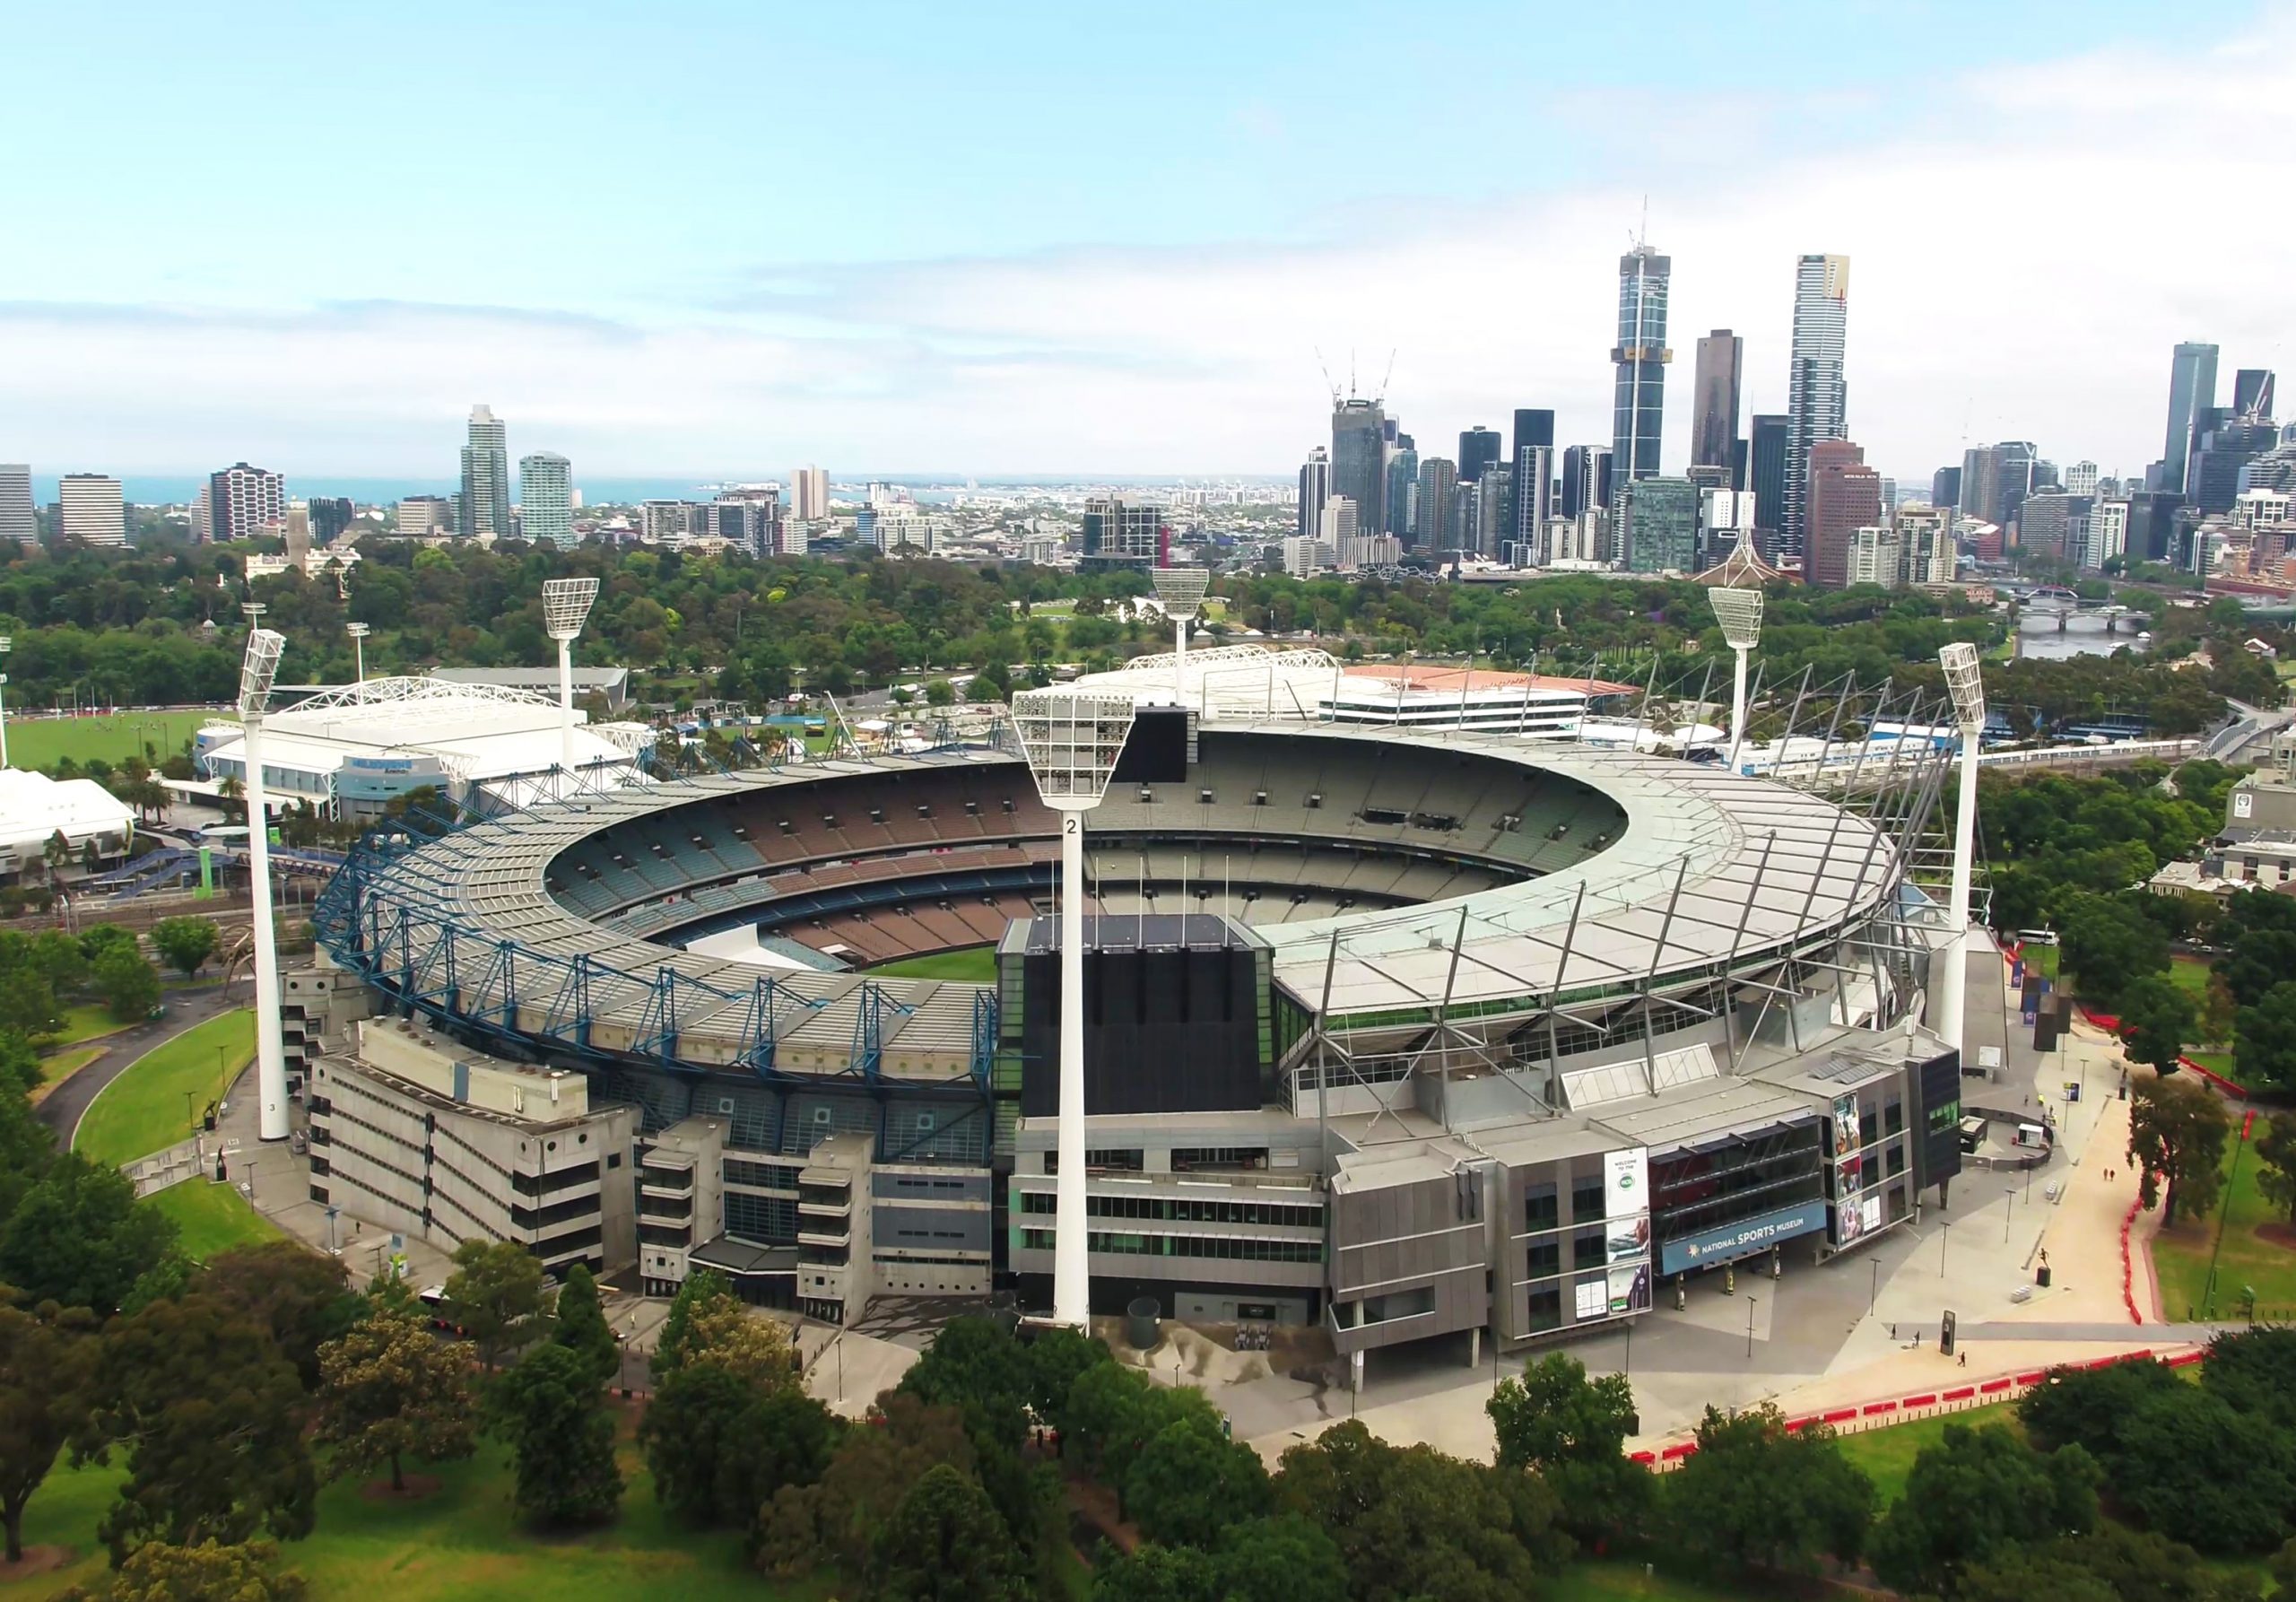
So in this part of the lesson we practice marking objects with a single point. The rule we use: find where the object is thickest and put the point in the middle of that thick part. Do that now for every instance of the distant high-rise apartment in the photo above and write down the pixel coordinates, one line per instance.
(1638, 400)
(1359, 460)
(1946, 487)
(419, 516)
(2192, 386)
(1657, 524)
(2252, 393)
(243, 500)
(89, 509)
(1845, 495)
(17, 520)
(1533, 469)
(1817, 398)
(1925, 541)
(1480, 449)
(1996, 479)
(1714, 403)
(1766, 470)
(1586, 480)
(2053, 524)
(485, 508)
(1403, 488)
(331, 517)
(2108, 533)
(2153, 524)
(1121, 533)
(1494, 508)
(546, 498)
(2080, 478)
(2213, 480)
(810, 491)
(1439, 478)
(1315, 491)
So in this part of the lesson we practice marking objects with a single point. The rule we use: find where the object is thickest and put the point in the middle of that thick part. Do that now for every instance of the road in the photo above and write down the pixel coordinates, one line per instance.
(186, 1009)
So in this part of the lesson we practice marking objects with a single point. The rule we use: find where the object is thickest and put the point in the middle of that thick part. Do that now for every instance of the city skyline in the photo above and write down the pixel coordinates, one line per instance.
(1053, 328)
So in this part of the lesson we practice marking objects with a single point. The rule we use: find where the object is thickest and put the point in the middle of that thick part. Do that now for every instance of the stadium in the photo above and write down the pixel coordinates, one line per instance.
(1405, 1032)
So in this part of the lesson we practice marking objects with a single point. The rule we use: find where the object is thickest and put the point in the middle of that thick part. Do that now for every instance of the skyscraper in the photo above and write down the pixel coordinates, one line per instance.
(1996, 479)
(88, 509)
(546, 498)
(1479, 448)
(1586, 480)
(1766, 434)
(1403, 488)
(1845, 495)
(242, 499)
(331, 517)
(1714, 403)
(1946, 487)
(1121, 533)
(1359, 460)
(1439, 478)
(2252, 393)
(1817, 400)
(2080, 478)
(17, 521)
(1638, 406)
(1533, 467)
(2192, 386)
(1315, 490)
(810, 492)
(485, 505)
(1657, 524)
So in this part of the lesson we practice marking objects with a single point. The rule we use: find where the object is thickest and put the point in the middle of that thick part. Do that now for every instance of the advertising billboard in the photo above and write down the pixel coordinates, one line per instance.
(1735, 1240)
(1626, 1204)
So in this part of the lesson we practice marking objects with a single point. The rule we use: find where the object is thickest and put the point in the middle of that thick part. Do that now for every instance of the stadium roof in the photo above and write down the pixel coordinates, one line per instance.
(34, 807)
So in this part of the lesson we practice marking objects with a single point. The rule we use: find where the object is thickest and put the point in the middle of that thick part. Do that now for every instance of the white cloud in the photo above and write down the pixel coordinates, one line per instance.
(2025, 249)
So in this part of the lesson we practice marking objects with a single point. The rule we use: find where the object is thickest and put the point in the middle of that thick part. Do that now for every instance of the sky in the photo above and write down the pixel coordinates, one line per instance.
(721, 239)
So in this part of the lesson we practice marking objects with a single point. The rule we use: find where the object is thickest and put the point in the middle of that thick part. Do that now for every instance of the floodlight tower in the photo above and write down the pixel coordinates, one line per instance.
(5, 644)
(1181, 592)
(1965, 684)
(1739, 611)
(358, 633)
(565, 607)
(1072, 739)
(260, 667)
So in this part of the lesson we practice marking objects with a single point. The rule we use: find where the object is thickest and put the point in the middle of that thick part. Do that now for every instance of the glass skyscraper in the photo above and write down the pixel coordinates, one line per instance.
(1639, 407)
(1817, 400)
(1359, 460)
(485, 505)
(2192, 387)
(546, 498)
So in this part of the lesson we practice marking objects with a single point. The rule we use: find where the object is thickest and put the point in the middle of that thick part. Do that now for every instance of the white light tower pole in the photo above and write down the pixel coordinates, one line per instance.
(256, 674)
(1072, 739)
(1739, 611)
(1966, 685)
(1181, 592)
(565, 607)
(358, 633)
(6, 643)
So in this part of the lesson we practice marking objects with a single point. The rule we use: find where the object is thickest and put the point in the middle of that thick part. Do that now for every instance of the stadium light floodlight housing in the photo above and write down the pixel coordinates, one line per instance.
(257, 669)
(1180, 591)
(566, 606)
(1965, 683)
(1739, 611)
(1072, 739)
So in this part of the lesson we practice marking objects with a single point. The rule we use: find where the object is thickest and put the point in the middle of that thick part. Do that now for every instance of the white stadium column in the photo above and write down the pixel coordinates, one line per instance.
(260, 667)
(1950, 989)
(565, 607)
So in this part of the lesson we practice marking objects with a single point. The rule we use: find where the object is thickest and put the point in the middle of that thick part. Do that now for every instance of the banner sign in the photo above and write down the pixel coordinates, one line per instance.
(1626, 1204)
(1747, 1234)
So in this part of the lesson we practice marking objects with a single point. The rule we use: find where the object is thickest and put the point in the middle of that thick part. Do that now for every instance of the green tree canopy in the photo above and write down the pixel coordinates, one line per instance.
(1754, 1496)
(389, 1391)
(2177, 1131)
(47, 1365)
(185, 943)
(580, 1323)
(79, 1238)
(496, 1295)
(1975, 1495)
(547, 1410)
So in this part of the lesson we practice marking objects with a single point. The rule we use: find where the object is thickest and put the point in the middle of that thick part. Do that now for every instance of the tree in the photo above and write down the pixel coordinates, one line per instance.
(975, 1365)
(210, 1571)
(1976, 1494)
(81, 1239)
(2109, 945)
(46, 1360)
(700, 1290)
(581, 1325)
(2176, 1135)
(1754, 1496)
(27, 1003)
(1053, 1360)
(389, 1391)
(946, 1543)
(1572, 1431)
(211, 1417)
(127, 983)
(547, 1411)
(297, 1293)
(2176, 1471)
(2276, 1155)
(939, 692)
(186, 943)
(2264, 1039)
(2157, 1021)
(1283, 1558)
(719, 1448)
(753, 1347)
(1151, 1573)
(495, 1296)
(1190, 1483)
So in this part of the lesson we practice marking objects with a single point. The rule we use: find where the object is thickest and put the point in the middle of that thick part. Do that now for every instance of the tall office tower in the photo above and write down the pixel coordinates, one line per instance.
(1766, 434)
(1437, 479)
(1315, 490)
(1121, 533)
(1996, 479)
(1533, 463)
(1845, 495)
(242, 501)
(1925, 541)
(2192, 386)
(2153, 524)
(1657, 524)
(1714, 404)
(2252, 393)
(2212, 477)
(420, 516)
(809, 492)
(2080, 478)
(546, 498)
(1494, 510)
(1403, 489)
(331, 517)
(17, 521)
(1479, 449)
(1586, 480)
(485, 508)
(1946, 487)
(2108, 533)
(2053, 524)
(1358, 459)
(1639, 401)
(88, 509)
(1817, 400)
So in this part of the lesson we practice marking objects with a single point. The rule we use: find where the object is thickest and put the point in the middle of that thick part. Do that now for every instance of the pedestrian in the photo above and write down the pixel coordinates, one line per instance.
(1965, 1360)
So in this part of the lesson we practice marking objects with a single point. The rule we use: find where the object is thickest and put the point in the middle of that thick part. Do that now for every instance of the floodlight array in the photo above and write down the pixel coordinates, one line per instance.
(566, 606)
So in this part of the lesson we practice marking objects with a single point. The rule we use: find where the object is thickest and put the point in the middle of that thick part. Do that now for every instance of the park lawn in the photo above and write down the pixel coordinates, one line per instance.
(211, 1218)
(2180, 1257)
(1887, 1454)
(43, 742)
(142, 1111)
(2191, 975)
(973, 965)
(87, 1022)
(2215, 1062)
(58, 1066)
(2042, 960)
(1605, 1579)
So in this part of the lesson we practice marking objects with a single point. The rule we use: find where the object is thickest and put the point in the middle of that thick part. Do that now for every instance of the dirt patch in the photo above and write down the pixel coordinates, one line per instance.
(37, 1560)
(417, 1487)
(2281, 1235)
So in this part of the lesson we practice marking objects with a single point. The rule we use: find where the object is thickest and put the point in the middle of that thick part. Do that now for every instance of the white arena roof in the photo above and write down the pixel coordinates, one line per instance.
(34, 808)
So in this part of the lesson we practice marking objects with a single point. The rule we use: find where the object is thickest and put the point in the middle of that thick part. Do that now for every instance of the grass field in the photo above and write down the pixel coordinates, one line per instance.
(974, 965)
(211, 1218)
(2180, 1258)
(142, 1111)
(1606, 1580)
(1887, 1455)
(43, 742)
(86, 1022)
(2190, 975)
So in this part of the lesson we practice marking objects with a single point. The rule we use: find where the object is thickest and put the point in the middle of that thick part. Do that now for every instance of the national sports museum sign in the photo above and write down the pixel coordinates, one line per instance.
(1736, 1238)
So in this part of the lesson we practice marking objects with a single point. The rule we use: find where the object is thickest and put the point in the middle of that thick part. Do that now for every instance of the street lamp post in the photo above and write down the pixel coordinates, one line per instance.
(1750, 1327)
(1950, 991)
(1072, 739)
(256, 672)
(358, 633)
(6, 645)
(565, 606)
(1739, 611)
(1180, 591)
